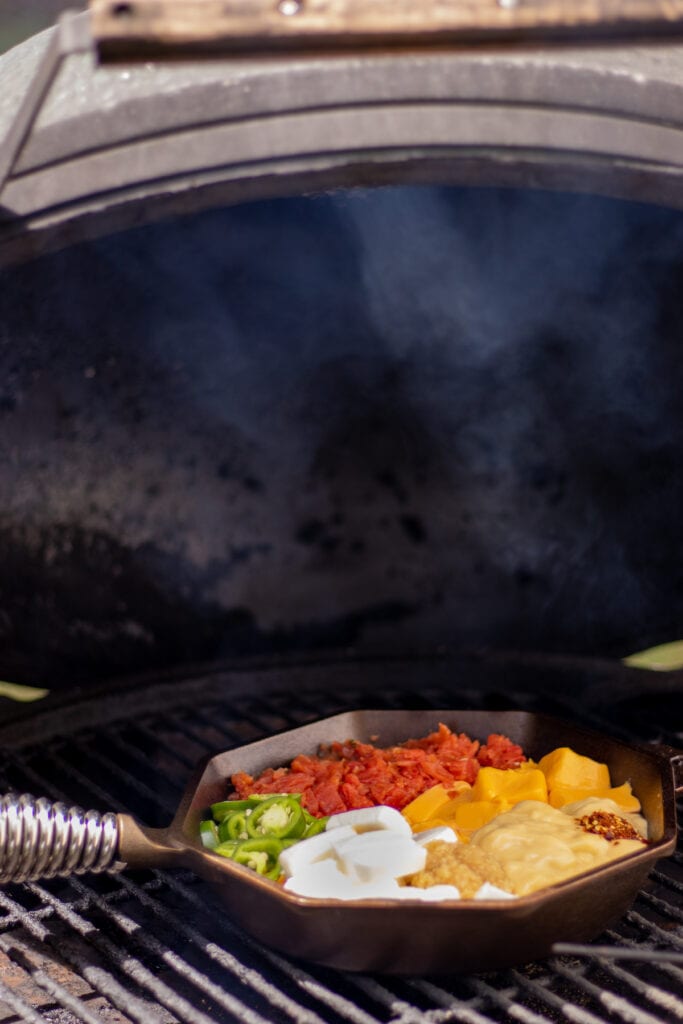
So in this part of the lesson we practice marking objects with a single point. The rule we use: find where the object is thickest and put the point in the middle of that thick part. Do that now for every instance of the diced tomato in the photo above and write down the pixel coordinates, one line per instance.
(350, 775)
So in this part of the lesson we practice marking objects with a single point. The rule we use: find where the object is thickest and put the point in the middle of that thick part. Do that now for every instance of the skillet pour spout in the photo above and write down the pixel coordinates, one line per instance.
(43, 839)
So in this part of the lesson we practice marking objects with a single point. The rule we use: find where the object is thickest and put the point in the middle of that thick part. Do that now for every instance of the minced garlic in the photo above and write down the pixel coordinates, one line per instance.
(461, 865)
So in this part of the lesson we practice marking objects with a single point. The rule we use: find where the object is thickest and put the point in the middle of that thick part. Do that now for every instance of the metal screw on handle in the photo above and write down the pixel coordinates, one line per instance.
(41, 839)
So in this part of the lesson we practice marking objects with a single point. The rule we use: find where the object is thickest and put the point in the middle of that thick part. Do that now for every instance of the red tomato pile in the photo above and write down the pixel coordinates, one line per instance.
(351, 774)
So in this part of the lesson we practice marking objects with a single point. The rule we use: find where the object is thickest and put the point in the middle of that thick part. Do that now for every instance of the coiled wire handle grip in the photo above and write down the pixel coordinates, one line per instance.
(42, 839)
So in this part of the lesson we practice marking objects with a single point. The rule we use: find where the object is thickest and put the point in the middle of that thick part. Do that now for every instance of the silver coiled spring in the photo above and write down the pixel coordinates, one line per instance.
(42, 839)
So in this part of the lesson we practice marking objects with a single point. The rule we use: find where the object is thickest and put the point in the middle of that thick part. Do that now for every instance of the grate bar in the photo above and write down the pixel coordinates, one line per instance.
(664, 1000)
(467, 1012)
(301, 978)
(662, 905)
(22, 1009)
(100, 980)
(662, 937)
(513, 1008)
(173, 960)
(403, 1013)
(615, 1004)
(248, 976)
(57, 992)
(618, 953)
(129, 965)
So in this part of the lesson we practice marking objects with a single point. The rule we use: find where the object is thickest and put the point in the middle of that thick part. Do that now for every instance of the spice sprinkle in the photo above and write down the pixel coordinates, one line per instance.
(610, 826)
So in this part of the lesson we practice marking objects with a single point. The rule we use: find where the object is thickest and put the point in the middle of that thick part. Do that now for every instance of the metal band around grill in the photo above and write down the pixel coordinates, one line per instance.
(40, 839)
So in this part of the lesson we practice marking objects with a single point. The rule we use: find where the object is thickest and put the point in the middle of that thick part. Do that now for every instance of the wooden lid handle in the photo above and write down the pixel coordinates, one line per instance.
(146, 28)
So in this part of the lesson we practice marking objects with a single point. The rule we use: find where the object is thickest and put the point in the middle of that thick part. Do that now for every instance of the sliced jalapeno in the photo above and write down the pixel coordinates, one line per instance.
(233, 827)
(314, 826)
(208, 833)
(259, 854)
(226, 849)
(280, 816)
(222, 809)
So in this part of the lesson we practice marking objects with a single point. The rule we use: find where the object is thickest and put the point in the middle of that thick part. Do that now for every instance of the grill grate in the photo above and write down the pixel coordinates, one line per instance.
(154, 947)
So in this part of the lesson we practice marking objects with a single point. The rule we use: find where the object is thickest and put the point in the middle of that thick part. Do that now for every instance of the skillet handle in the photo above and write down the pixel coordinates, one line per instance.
(40, 839)
(675, 758)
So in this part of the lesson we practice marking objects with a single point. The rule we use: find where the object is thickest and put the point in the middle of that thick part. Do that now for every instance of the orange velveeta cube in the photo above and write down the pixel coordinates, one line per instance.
(426, 806)
(470, 815)
(622, 795)
(511, 785)
(565, 768)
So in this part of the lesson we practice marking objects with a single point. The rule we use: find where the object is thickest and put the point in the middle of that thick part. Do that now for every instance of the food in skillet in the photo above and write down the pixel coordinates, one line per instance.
(477, 822)
(350, 775)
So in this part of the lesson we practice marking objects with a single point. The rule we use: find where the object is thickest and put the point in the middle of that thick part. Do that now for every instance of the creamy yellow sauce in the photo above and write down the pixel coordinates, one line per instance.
(537, 845)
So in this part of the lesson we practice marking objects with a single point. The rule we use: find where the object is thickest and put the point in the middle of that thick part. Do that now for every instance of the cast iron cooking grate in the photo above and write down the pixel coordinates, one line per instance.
(154, 947)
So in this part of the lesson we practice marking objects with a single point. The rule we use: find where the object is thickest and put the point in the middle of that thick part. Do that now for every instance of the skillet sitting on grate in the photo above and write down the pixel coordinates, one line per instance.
(373, 934)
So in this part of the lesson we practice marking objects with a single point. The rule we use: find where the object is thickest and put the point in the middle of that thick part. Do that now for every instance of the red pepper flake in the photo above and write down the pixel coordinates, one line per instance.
(610, 826)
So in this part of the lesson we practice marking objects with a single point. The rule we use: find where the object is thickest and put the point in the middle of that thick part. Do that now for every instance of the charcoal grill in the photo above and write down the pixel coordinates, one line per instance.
(153, 527)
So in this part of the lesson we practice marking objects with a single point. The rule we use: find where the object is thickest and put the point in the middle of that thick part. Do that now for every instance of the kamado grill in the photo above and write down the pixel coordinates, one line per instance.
(340, 371)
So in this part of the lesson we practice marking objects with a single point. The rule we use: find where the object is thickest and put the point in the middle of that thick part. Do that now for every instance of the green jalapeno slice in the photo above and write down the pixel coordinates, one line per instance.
(226, 849)
(314, 826)
(208, 833)
(280, 816)
(221, 810)
(261, 855)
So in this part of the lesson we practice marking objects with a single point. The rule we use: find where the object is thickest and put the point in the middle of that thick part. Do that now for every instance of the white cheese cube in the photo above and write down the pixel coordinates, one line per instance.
(373, 855)
(442, 833)
(307, 851)
(381, 889)
(433, 894)
(492, 892)
(322, 880)
(370, 819)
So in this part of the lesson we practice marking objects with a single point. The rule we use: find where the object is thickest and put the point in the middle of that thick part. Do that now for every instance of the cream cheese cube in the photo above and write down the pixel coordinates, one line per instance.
(371, 819)
(307, 851)
(442, 833)
(433, 894)
(371, 856)
(488, 891)
(323, 880)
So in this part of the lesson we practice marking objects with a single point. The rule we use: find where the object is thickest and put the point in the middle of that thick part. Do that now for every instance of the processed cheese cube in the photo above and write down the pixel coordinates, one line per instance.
(510, 784)
(623, 795)
(370, 819)
(468, 817)
(565, 767)
(426, 805)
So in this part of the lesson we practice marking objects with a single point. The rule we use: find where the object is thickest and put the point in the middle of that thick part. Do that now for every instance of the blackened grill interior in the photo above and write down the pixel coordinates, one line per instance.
(401, 420)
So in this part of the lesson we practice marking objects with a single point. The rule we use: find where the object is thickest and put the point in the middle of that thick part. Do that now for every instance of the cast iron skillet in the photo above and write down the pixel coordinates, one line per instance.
(367, 935)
